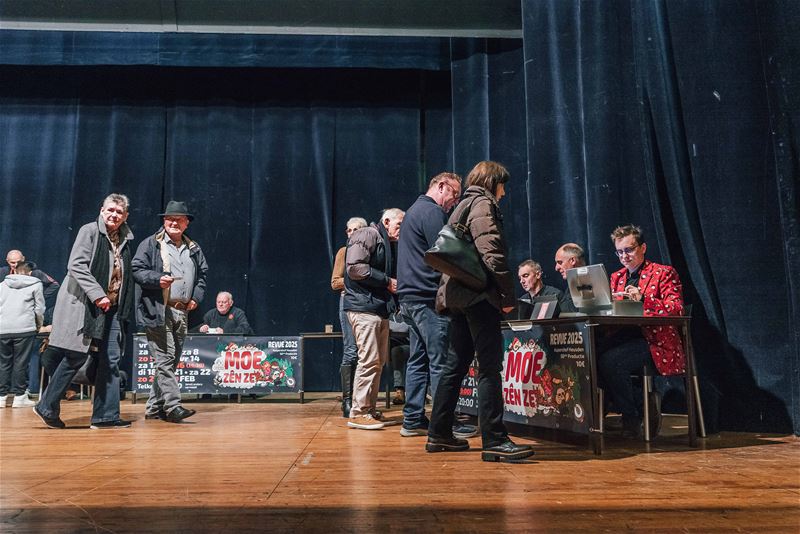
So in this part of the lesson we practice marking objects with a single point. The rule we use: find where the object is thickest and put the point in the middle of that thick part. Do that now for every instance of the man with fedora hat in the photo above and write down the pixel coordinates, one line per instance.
(171, 270)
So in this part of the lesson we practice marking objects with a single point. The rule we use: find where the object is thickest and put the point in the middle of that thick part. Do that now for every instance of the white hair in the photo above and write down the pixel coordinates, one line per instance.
(357, 222)
(392, 214)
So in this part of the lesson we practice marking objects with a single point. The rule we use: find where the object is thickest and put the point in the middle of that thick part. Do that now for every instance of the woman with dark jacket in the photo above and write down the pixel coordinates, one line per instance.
(475, 324)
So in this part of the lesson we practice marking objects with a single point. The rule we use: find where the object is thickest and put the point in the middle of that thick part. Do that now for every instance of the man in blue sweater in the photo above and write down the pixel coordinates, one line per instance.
(417, 283)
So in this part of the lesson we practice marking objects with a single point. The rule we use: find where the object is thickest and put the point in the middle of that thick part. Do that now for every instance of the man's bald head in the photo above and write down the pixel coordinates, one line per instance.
(14, 258)
(569, 256)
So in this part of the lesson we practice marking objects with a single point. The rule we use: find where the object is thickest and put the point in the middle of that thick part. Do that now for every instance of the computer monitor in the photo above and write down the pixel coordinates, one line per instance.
(589, 289)
(541, 307)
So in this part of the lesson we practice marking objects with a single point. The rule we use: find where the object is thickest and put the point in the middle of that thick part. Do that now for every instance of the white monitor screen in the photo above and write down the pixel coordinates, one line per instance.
(589, 288)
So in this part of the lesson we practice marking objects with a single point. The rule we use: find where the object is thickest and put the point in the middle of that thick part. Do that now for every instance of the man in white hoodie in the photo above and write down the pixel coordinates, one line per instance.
(21, 314)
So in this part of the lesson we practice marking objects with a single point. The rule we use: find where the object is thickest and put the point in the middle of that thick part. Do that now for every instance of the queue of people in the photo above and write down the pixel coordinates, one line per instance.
(439, 324)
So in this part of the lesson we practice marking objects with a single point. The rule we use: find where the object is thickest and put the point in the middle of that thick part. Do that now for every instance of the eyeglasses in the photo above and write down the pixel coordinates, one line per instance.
(626, 250)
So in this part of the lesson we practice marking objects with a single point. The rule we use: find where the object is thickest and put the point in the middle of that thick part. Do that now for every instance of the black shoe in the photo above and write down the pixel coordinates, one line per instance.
(446, 445)
(119, 423)
(507, 451)
(176, 415)
(52, 422)
(346, 405)
(160, 414)
(632, 429)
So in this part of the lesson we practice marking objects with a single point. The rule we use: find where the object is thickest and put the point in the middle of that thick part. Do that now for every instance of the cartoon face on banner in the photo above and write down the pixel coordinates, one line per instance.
(532, 387)
(249, 366)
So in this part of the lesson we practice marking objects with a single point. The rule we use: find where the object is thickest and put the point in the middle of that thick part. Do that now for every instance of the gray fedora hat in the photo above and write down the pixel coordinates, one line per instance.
(175, 207)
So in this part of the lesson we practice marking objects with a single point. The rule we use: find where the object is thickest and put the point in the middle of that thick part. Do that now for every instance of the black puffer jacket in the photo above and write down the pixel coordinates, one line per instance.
(485, 223)
(369, 264)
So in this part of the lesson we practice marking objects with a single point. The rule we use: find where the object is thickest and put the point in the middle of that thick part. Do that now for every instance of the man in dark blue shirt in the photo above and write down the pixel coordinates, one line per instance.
(417, 284)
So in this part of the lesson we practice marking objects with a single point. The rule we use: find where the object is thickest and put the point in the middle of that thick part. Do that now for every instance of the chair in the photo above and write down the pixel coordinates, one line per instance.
(690, 380)
(694, 410)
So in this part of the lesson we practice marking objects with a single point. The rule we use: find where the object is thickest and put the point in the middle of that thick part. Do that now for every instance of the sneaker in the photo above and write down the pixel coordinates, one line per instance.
(465, 431)
(119, 423)
(52, 422)
(365, 422)
(3, 399)
(446, 445)
(377, 414)
(22, 401)
(408, 432)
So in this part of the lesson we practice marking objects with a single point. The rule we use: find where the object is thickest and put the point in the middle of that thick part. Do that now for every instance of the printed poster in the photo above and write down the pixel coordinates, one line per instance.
(546, 380)
(228, 364)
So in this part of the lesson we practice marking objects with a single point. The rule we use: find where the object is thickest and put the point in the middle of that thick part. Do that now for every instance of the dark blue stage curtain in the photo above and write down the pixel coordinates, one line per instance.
(681, 117)
(272, 161)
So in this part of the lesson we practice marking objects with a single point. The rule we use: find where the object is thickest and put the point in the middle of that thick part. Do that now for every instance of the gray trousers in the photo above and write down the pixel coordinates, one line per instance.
(166, 345)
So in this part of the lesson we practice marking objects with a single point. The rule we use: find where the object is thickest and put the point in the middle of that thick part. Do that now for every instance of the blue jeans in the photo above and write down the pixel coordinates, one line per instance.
(429, 338)
(106, 392)
(349, 350)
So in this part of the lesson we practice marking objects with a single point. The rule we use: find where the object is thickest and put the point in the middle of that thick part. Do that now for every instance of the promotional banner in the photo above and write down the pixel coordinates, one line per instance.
(546, 380)
(228, 364)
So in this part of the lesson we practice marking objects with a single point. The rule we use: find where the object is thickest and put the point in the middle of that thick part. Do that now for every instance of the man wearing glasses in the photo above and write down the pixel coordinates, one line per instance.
(659, 289)
(417, 283)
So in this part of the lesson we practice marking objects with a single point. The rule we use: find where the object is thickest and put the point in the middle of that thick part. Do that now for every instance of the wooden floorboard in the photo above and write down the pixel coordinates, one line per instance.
(278, 466)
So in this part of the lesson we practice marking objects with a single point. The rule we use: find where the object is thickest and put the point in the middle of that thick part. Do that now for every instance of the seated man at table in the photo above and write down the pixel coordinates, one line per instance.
(627, 351)
(530, 278)
(225, 318)
(568, 256)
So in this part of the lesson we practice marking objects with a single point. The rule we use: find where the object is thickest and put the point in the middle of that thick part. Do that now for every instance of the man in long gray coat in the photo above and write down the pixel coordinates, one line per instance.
(94, 302)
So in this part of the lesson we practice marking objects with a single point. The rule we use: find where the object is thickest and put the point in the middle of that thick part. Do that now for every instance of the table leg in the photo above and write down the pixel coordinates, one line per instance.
(596, 418)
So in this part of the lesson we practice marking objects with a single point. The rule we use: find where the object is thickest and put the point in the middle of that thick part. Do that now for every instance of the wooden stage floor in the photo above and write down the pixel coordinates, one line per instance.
(278, 466)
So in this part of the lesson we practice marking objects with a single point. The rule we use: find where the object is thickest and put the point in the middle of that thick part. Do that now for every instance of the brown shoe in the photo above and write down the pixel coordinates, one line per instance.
(399, 397)
(365, 422)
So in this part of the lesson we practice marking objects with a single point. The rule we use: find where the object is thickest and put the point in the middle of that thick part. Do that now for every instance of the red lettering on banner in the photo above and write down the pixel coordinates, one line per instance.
(513, 366)
(247, 360)
(538, 365)
(466, 392)
(512, 396)
(527, 365)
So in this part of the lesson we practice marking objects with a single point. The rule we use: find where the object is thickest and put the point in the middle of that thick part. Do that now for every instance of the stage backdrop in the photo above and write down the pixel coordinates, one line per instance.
(678, 116)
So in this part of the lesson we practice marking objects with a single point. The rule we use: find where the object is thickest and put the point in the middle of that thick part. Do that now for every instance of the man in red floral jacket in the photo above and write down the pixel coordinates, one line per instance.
(659, 289)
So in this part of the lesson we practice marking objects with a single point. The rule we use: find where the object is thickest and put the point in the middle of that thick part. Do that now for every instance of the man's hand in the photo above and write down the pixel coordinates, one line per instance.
(392, 287)
(103, 303)
(204, 329)
(191, 305)
(165, 281)
(633, 293)
(508, 309)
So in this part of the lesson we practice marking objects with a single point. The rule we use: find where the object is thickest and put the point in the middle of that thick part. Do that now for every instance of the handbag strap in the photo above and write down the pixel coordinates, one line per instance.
(461, 224)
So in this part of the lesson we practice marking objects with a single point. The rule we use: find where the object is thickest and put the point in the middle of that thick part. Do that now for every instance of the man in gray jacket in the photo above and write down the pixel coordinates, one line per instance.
(21, 314)
(171, 270)
(94, 303)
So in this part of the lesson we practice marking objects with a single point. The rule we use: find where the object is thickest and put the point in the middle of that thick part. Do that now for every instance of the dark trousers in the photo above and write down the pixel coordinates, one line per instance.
(619, 358)
(63, 365)
(14, 354)
(473, 331)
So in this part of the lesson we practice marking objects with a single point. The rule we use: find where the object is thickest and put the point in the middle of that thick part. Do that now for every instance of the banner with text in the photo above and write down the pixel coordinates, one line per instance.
(546, 381)
(228, 364)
